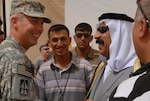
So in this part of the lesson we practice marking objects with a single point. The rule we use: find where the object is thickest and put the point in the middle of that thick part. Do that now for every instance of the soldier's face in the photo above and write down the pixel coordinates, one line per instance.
(28, 29)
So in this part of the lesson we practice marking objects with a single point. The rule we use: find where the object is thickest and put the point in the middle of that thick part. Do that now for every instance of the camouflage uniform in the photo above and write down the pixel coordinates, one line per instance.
(16, 69)
(92, 57)
(16, 73)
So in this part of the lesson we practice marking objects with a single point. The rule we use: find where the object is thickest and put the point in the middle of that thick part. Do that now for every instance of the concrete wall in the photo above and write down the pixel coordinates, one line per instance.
(72, 12)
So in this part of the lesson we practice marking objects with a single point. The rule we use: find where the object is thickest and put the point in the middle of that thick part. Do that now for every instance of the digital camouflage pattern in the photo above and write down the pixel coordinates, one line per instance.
(31, 8)
(16, 73)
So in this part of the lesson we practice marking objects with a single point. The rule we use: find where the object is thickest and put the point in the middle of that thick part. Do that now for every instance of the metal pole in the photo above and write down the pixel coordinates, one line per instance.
(4, 17)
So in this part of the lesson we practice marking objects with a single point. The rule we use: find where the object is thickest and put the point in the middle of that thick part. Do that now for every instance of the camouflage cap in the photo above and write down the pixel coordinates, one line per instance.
(31, 8)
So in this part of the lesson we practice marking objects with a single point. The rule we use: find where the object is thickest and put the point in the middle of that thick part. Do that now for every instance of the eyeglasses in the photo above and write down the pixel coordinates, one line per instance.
(79, 35)
(45, 49)
(103, 29)
(140, 8)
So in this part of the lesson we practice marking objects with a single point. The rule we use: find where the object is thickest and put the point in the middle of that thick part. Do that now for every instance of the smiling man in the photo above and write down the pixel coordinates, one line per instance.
(16, 70)
(64, 77)
(115, 44)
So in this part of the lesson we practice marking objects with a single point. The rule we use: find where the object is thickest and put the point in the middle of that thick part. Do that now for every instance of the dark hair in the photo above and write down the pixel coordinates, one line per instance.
(56, 28)
(40, 48)
(83, 27)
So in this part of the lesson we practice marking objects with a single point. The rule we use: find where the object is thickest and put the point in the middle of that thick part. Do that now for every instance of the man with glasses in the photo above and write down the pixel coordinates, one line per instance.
(117, 52)
(137, 87)
(83, 49)
(45, 56)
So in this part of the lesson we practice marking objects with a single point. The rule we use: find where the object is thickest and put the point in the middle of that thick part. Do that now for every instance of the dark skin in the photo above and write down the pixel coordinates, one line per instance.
(59, 42)
(83, 46)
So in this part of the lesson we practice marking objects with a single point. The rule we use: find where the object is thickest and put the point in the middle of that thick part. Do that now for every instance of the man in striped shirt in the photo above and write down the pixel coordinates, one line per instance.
(137, 88)
(64, 77)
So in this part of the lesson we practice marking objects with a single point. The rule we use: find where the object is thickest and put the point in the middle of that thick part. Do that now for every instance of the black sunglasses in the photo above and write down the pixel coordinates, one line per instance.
(79, 35)
(140, 8)
(45, 49)
(103, 29)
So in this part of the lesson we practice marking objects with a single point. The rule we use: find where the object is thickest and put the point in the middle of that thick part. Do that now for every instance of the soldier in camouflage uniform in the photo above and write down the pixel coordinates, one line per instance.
(16, 69)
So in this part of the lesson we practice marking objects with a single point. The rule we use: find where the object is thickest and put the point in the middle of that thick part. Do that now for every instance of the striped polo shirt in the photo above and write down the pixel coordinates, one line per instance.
(68, 84)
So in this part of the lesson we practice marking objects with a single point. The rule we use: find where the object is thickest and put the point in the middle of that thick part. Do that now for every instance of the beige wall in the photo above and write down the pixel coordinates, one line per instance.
(72, 12)
(0, 7)
(0, 13)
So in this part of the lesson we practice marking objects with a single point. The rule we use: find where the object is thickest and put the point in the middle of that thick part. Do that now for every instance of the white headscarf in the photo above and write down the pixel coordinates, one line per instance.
(122, 53)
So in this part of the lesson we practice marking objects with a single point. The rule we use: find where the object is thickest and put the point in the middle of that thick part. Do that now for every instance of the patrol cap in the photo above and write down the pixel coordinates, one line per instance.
(31, 8)
(115, 16)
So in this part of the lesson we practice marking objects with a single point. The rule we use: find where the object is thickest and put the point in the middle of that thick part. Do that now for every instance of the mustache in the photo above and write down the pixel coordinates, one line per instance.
(100, 41)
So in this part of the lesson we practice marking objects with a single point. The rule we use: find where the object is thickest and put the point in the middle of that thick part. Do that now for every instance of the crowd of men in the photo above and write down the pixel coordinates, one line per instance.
(81, 73)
